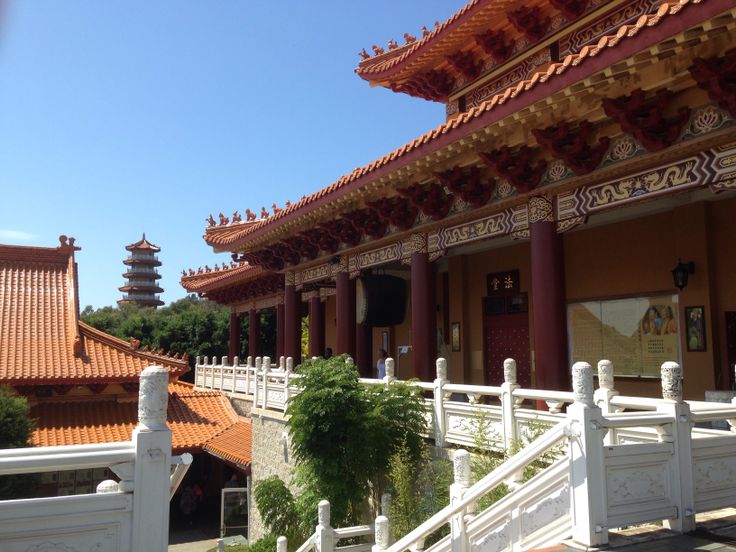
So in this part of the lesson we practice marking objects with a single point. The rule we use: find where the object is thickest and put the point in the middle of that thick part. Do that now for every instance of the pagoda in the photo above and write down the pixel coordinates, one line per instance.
(141, 286)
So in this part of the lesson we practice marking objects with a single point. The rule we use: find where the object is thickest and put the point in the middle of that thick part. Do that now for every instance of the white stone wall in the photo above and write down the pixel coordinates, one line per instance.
(271, 456)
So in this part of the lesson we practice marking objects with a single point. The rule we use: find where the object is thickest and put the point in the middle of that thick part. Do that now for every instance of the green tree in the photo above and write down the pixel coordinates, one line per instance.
(343, 434)
(16, 427)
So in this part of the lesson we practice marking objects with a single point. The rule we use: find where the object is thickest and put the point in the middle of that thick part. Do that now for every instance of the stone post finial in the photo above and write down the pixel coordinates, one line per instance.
(281, 544)
(223, 361)
(108, 486)
(249, 361)
(282, 362)
(582, 383)
(605, 374)
(390, 368)
(266, 363)
(461, 467)
(206, 360)
(672, 381)
(441, 366)
(236, 361)
(382, 534)
(259, 362)
(199, 361)
(323, 513)
(290, 364)
(509, 371)
(153, 397)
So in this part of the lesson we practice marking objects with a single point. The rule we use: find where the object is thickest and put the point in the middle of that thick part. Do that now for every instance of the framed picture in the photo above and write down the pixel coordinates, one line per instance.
(455, 337)
(695, 329)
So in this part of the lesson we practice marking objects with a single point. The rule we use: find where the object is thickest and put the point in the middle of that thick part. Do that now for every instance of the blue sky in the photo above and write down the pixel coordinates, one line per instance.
(123, 117)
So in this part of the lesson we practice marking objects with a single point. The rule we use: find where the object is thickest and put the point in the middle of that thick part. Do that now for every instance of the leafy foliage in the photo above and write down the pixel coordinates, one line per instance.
(343, 435)
(191, 325)
(16, 427)
(277, 508)
(264, 544)
(419, 490)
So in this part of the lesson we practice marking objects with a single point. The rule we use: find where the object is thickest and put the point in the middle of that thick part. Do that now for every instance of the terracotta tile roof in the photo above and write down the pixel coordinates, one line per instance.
(208, 279)
(195, 417)
(234, 236)
(234, 444)
(41, 337)
(143, 243)
(475, 16)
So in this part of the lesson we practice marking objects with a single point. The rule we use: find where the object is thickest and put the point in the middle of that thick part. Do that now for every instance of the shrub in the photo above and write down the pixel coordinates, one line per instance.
(344, 433)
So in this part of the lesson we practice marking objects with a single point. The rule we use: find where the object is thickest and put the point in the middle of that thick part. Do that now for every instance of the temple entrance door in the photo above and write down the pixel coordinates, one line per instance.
(506, 335)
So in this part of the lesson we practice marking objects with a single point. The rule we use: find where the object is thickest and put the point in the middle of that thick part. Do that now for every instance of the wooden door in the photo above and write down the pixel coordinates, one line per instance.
(506, 335)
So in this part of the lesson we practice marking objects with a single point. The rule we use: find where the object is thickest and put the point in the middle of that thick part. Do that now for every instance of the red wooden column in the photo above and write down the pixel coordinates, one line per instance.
(548, 297)
(423, 321)
(345, 306)
(292, 321)
(254, 333)
(279, 330)
(316, 327)
(234, 343)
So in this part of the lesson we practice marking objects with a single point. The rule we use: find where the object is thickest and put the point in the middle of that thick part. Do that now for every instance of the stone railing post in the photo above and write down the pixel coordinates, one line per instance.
(223, 364)
(382, 534)
(602, 396)
(152, 440)
(390, 371)
(198, 372)
(236, 367)
(248, 366)
(256, 372)
(281, 544)
(324, 534)
(508, 404)
(461, 483)
(683, 488)
(288, 370)
(264, 390)
(438, 406)
(587, 467)
(282, 362)
(204, 370)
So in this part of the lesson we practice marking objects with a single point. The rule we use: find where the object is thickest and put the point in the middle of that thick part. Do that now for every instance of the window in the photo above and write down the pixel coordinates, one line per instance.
(637, 334)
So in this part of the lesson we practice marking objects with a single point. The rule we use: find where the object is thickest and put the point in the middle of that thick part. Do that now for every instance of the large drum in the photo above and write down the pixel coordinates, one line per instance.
(380, 300)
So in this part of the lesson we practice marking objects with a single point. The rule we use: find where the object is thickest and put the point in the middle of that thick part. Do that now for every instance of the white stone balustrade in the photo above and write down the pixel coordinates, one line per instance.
(129, 515)
(627, 460)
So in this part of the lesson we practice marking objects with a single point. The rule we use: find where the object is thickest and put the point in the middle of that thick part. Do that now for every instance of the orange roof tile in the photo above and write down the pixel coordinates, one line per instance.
(203, 281)
(475, 16)
(194, 417)
(572, 68)
(234, 444)
(41, 337)
(143, 243)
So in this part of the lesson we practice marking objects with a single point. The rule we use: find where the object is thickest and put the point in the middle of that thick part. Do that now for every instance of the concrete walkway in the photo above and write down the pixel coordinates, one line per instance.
(195, 546)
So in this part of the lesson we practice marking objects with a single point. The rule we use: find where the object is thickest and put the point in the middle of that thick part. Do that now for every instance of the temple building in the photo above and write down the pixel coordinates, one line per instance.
(141, 276)
(578, 203)
(82, 384)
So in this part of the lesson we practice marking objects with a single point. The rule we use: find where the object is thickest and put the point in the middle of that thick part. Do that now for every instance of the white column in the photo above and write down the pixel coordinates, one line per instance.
(324, 534)
(683, 488)
(508, 404)
(264, 390)
(152, 439)
(587, 468)
(461, 483)
(382, 534)
(602, 396)
(440, 428)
